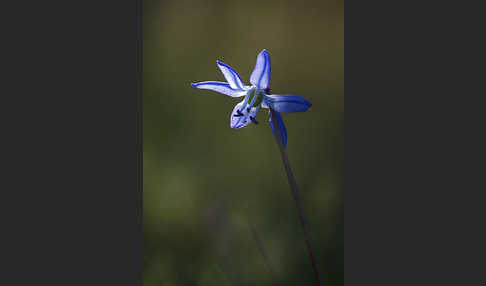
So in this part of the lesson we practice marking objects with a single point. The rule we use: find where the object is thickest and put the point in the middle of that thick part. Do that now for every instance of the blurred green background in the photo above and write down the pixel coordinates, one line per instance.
(204, 182)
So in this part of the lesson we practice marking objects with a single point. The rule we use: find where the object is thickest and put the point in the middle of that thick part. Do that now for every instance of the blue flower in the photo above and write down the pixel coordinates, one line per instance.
(246, 111)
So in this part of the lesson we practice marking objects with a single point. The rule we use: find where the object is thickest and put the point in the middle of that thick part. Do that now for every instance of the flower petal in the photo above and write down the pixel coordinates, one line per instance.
(238, 122)
(287, 103)
(281, 127)
(260, 77)
(221, 87)
(231, 76)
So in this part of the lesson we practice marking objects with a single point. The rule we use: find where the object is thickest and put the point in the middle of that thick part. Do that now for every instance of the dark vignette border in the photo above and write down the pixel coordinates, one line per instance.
(72, 185)
(139, 233)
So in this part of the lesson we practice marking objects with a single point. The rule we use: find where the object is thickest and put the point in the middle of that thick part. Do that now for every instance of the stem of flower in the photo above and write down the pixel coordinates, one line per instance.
(298, 201)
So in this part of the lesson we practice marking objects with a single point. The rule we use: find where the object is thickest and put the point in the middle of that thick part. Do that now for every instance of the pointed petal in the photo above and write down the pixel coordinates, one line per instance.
(281, 127)
(232, 77)
(238, 122)
(260, 77)
(287, 103)
(221, 87)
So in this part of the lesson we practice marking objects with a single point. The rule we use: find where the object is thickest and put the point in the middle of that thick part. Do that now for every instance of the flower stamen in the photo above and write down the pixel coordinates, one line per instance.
(256, 95)
(247, 97)
(253, 119)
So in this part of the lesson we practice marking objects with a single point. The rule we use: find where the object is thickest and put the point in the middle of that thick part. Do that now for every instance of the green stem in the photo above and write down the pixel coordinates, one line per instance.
(298, 201)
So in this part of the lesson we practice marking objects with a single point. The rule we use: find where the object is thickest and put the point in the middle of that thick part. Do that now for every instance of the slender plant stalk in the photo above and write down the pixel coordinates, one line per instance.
(298, 201)
(264, 254)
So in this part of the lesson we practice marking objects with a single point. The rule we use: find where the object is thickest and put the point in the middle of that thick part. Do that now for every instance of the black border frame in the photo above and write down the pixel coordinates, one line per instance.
(72, 189)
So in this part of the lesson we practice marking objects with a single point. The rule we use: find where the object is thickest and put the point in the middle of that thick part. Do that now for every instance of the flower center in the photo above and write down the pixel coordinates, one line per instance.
(256, 95)
(256, 102)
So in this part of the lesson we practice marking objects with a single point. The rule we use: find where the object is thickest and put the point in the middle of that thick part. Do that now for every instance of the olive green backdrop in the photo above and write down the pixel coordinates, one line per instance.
(205, 183)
